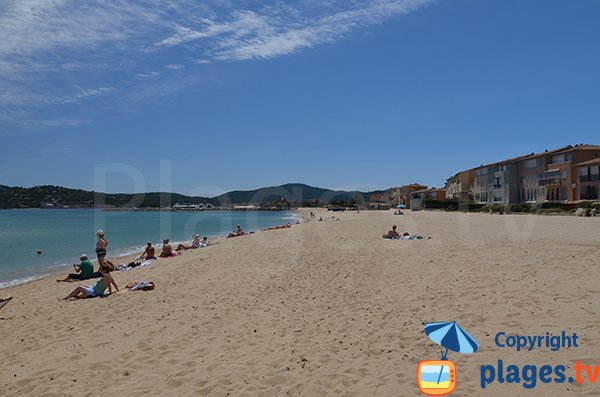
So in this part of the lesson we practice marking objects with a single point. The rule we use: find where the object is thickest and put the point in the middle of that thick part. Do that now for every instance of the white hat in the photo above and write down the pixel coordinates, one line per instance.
(99, 232)
(83, 256)
(195, 235)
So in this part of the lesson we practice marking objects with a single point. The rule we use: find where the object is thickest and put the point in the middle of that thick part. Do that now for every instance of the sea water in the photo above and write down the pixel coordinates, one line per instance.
(62, 235)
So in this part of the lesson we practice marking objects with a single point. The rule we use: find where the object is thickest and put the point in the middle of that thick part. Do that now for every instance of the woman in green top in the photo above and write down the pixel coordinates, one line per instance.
(97, 290)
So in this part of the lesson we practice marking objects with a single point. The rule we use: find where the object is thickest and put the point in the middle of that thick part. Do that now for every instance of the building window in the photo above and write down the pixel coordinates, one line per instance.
(589, 192)
(497, 197)
(595, 174)
(568, 156)
(559, 158)
(531, 163)
(565, 175)
(565, 195)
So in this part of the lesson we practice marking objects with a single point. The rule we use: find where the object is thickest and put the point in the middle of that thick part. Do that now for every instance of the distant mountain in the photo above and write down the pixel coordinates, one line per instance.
(293, 193)
(40, 196)
(297, 194)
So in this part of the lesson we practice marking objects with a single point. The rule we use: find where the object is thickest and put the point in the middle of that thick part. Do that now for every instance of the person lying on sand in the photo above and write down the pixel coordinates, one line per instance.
(167, 250)
(288, 225)
(391, 233)
(86, 291)
(83, 271)
(205, 242)
(195, 243)
(149, 253)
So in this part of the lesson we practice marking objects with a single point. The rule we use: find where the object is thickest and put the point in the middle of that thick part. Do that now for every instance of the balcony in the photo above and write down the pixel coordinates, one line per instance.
(550, 182)
(589, 196)
(589, 178)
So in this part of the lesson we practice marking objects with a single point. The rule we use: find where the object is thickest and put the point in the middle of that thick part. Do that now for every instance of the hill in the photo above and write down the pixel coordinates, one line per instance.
(40, 196)
(296, 194)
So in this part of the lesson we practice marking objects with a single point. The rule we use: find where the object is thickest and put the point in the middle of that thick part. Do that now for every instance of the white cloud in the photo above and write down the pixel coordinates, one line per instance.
(249, 35)
(174, 66)
(148, 75)
(49, 49)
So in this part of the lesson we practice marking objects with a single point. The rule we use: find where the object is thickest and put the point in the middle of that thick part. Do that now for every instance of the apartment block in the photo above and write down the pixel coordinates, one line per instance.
(459, 185)
(588, 173)
(566, 174)
(496, 183)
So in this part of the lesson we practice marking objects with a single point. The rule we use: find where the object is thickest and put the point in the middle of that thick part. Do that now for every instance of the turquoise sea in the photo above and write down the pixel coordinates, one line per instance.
(63, 235)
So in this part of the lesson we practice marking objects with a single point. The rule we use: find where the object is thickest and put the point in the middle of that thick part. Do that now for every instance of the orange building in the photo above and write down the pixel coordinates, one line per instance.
(588, 174)
(402, 193)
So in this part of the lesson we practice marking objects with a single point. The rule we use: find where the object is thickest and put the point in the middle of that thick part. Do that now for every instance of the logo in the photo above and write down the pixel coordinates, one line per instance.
(438, 377)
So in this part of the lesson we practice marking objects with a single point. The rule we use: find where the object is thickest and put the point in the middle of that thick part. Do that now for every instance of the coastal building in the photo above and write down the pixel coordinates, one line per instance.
(417, 198)
(402, 194)
(565, 174)
(378, 206)
(187, 207)
(380, 198)
(459, 186)
(588, 173)
(554, 175)
(496, 183)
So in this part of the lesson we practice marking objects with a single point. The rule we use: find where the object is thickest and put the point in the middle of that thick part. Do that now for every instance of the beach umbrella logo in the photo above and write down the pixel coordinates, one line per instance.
(438, 377)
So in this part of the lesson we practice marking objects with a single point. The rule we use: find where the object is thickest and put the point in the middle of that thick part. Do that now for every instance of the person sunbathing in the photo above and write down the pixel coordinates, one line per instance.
(88, 291)
(195, 243)
(167, 250)
(391, 233)
(236, 233)
(149, 253)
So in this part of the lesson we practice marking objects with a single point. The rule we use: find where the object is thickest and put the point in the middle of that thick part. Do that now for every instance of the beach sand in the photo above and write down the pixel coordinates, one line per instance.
(322, 308)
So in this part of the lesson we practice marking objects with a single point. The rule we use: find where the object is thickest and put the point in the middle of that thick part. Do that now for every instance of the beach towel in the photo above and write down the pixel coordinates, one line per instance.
(122, 267)
(140, 286)
(411, 237)
(174, 254)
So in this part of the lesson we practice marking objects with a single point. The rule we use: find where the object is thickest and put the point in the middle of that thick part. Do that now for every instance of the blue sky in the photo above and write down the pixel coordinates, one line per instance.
(205, 97)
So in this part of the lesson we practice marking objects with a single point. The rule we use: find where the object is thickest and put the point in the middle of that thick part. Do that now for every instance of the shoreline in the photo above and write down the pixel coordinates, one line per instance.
(127, 257)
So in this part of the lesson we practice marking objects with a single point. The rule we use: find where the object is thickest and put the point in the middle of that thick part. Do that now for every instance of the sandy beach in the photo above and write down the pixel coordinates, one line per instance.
(322, 308)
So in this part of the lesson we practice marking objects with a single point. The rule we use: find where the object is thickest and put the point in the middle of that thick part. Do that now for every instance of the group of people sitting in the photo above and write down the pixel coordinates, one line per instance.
(85, 269)
(394, 235)
(167, 248)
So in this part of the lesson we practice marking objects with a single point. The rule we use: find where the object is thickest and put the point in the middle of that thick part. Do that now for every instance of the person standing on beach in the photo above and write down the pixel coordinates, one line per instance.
(101, 245)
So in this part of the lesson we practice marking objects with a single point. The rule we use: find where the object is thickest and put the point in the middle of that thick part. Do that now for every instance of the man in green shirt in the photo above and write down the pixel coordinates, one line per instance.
(83, 271)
